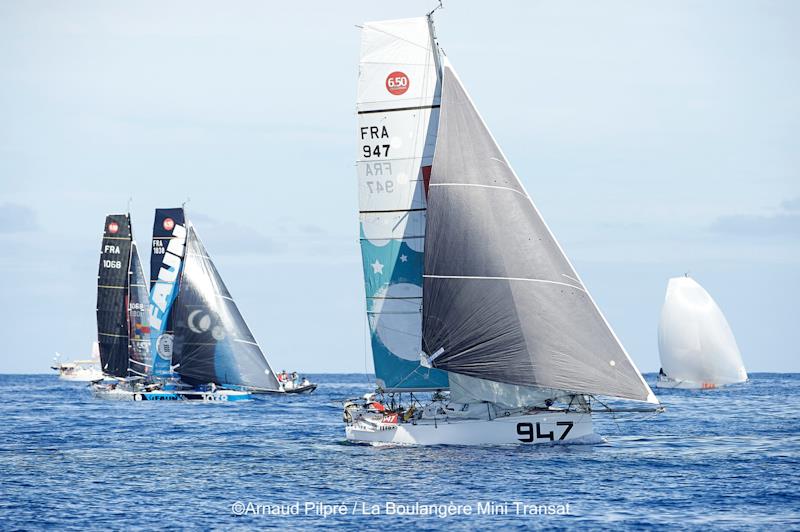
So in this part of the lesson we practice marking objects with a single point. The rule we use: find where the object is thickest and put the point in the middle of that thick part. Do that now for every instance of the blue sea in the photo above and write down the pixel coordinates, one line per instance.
(719, 459)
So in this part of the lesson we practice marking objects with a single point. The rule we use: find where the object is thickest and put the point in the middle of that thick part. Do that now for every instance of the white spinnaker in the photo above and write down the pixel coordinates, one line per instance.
(694, 339)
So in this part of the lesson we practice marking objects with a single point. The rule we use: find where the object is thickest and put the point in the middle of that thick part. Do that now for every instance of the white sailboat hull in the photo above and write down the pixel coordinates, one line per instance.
(540, 427)
(81, 375)
(666, 382)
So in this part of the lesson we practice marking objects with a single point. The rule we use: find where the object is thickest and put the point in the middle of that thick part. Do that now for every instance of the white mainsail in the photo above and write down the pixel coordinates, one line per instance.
(398, 112)
(695, 341)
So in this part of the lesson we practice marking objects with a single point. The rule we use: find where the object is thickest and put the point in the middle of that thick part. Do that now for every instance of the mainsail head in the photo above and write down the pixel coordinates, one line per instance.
(695, 341)
(398, 112)
(501, 300)
(212, 340)
(166, 263)
(112, 295)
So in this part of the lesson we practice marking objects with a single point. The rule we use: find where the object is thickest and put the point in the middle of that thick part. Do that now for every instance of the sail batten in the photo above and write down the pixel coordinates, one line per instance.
(495, 300)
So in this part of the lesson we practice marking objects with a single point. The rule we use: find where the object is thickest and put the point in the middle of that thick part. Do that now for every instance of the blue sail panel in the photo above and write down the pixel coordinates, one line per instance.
(393, 284)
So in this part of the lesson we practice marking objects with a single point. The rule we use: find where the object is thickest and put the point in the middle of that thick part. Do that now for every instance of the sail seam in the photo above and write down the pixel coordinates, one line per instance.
(394, 210)
(477, 186)
(477, 277)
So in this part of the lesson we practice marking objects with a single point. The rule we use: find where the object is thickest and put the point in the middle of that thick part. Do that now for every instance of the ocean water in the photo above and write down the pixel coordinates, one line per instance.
(721, 459)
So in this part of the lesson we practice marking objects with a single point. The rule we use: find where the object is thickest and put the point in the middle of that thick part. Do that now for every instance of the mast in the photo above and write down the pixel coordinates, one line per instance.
(112, 295)
(398, 103)
(501, 300)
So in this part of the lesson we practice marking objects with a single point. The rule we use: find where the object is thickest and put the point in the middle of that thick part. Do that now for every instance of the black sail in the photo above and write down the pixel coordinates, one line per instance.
(138, 322)
(112, 295)
(501, 301)
(212, 340)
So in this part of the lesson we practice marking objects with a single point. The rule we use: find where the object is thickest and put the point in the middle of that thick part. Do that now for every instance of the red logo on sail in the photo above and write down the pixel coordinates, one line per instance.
(168, 224)
(397, 83)
(113, 227)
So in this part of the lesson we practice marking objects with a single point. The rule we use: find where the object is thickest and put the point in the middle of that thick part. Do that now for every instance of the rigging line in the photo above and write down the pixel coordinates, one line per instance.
(613, 416)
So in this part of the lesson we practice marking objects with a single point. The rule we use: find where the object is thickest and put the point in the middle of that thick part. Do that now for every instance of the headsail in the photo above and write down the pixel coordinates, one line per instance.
(212, 340)
(141, 361)
(501, 300)
(694, 339)
(112, 295)
(166, 260)
(398, 112)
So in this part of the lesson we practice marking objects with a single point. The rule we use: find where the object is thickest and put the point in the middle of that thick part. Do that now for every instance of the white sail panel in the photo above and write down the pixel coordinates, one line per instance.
(398, 113)
(389, 46)
(695, 341)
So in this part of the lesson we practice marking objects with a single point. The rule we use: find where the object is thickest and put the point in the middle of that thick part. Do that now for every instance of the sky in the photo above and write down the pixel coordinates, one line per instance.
(655, 139)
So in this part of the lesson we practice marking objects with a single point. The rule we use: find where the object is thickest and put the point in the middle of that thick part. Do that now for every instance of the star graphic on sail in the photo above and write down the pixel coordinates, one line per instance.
(403, 258)
(377, 267)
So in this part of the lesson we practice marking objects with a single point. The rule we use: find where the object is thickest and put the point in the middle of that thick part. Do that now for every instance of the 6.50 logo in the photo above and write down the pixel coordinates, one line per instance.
(397, 83)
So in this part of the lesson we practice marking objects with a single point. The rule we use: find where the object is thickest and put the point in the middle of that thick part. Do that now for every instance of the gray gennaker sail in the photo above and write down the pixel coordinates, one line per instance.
(212, 340)
(500, 300)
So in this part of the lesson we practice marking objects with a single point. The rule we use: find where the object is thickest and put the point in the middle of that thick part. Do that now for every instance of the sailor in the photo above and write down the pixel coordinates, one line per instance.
(661, 373)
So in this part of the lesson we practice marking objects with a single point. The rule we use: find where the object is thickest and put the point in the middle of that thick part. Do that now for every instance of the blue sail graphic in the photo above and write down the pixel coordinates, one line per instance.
(166, 266)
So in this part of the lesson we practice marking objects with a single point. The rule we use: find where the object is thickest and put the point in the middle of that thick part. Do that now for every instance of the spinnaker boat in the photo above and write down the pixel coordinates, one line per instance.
(123, 328)
(695, 341)
(478, 321)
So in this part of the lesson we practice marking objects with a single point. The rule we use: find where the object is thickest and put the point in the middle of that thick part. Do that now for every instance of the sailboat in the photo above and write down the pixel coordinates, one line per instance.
(80, 370)
(475, 312)
(123, 327)
(198, 333)
(695, 342)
